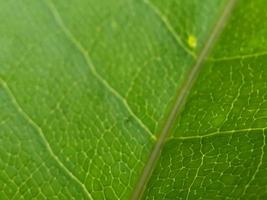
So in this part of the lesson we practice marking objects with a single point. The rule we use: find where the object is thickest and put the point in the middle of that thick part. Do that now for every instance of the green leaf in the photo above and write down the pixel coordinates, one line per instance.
(120, 99)
(218, 141)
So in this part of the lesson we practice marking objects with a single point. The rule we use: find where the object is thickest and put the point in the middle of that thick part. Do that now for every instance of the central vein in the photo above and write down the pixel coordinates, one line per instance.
(180, 100)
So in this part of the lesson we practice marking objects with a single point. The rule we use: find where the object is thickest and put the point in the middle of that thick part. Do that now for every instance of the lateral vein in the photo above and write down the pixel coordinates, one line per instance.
(169, 27)
(41, 134)
(91, 66)
(226, 132)
(239, 57)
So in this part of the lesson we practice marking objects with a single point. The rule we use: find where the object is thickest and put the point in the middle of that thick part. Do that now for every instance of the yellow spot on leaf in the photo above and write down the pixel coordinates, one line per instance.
(114, 24)
(192, 41)
(98, 29)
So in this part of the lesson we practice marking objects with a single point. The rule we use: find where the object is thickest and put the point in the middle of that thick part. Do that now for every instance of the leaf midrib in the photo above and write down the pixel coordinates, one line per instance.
(180, 100)
(169, 122)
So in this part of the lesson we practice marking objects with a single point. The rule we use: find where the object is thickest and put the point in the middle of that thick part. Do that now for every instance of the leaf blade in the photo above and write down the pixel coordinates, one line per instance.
(225, 122)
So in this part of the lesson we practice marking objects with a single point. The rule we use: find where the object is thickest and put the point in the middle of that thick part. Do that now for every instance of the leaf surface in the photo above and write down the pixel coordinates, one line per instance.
(87, 87)
(217, 148)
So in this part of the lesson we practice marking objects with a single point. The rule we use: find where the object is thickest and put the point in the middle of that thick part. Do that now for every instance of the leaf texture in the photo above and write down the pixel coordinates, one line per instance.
(218, 142)
(86, 88)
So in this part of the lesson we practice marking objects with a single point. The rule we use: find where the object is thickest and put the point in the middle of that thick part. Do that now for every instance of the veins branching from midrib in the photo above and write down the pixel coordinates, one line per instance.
(169, 27)
(238, 57)
(23, 113)
(184, 91)
(92, 67)
(217, 133)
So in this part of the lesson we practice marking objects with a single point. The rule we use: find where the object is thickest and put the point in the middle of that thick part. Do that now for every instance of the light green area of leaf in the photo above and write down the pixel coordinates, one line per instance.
(86, 87)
